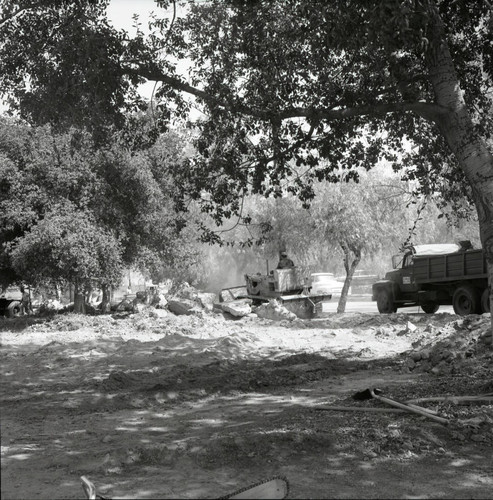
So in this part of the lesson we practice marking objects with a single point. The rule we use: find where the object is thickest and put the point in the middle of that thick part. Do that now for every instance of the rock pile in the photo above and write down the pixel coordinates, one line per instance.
(182, 299)
(453, 346)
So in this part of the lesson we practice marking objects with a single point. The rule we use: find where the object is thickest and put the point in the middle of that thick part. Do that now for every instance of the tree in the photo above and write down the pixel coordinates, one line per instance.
(39, 173)
(328, 84)
(358, 219)
(348, 219)
(73, 58)
(67, 247)
(107, 193)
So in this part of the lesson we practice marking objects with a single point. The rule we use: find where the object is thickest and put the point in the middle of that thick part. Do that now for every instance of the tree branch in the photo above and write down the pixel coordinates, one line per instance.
(429, 111)
(426, 110)
(15, 13)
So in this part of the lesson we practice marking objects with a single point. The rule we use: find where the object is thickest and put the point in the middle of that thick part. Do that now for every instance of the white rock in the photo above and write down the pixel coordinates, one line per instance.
(410, 327)
(237, 308)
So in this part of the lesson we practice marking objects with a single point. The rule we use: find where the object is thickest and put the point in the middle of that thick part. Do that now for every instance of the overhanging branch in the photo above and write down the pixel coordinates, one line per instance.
(429, 111)
(426, 110)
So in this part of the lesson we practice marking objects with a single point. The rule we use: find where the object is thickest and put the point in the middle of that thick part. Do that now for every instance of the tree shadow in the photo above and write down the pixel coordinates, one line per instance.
(154, 420)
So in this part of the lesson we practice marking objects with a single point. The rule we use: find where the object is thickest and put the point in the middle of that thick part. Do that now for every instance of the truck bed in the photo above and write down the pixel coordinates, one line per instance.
(470, 264)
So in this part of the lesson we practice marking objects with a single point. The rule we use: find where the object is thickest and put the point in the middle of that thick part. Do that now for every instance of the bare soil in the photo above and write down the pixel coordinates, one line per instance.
(199, 406)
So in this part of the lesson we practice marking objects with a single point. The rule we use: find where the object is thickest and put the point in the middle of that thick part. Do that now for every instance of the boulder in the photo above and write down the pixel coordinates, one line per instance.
(237, 308)
(410, 364)
(181, 306)
(425, 353)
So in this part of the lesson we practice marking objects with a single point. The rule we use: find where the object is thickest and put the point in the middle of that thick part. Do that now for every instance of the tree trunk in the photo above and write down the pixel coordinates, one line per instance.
(79, 300)
(469, 148)
(106, 302)
(350, 268)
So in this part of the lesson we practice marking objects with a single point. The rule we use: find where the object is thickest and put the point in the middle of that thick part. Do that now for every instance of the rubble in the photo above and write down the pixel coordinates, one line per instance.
(159, 301)
(186, 299)
(206, 300)
(184, 290)
(158, 313)
(452, 346)
(275, 311)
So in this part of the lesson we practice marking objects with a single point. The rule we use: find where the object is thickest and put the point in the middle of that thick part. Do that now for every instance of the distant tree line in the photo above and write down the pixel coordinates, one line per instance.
(75, 212)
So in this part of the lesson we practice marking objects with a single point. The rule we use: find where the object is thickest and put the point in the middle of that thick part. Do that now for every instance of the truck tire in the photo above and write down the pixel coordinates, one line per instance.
(485, 301)
(466, 301)
(14, 310)
(430, 307)
(385, 302)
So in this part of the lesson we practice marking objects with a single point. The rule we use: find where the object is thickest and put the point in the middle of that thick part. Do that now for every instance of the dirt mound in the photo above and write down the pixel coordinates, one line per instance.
(462, 346)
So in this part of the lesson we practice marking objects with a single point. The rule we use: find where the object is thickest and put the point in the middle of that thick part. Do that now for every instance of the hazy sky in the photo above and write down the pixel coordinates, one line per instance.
(120, 12)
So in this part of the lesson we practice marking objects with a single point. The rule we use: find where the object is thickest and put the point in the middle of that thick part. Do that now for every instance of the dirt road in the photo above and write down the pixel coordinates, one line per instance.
(198, 406)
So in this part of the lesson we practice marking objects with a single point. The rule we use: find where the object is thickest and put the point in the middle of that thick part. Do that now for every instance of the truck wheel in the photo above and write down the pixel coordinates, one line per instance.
(430, 307)
(485, 301)
(385, 303)
(466, 301)
(14, 312)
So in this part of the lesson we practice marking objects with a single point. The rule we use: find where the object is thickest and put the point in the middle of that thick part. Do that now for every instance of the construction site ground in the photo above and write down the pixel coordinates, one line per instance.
(198, 406)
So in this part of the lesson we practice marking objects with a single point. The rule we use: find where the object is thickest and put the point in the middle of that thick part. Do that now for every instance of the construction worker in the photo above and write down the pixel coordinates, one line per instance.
(26, 307)
(284, 261)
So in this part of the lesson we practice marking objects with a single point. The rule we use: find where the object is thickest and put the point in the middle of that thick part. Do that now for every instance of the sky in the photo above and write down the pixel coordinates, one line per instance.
(120, 14)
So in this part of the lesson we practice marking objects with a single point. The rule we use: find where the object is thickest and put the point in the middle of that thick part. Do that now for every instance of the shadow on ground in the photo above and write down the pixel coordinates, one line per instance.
(147, 420)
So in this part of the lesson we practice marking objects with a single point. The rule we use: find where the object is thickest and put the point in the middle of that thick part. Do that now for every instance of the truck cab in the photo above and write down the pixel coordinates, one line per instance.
(398, 288)
(403, 271)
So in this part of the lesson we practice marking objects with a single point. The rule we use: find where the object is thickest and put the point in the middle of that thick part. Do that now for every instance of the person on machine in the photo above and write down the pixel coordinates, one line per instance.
(284, 261)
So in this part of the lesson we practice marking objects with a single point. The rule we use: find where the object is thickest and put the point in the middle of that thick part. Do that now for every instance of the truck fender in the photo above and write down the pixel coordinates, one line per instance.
(388, 285)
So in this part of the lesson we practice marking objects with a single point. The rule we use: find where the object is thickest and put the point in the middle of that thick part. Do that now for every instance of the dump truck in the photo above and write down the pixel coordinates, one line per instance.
(290, 287)
(433, 275)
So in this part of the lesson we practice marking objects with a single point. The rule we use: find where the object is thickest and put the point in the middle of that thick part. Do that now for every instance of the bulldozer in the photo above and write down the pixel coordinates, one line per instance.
(290, 287)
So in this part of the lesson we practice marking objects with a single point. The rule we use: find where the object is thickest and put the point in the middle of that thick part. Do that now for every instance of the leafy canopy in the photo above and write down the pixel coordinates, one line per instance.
(58, 187)
(326, 85)
(291, 90)
(70, 247)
